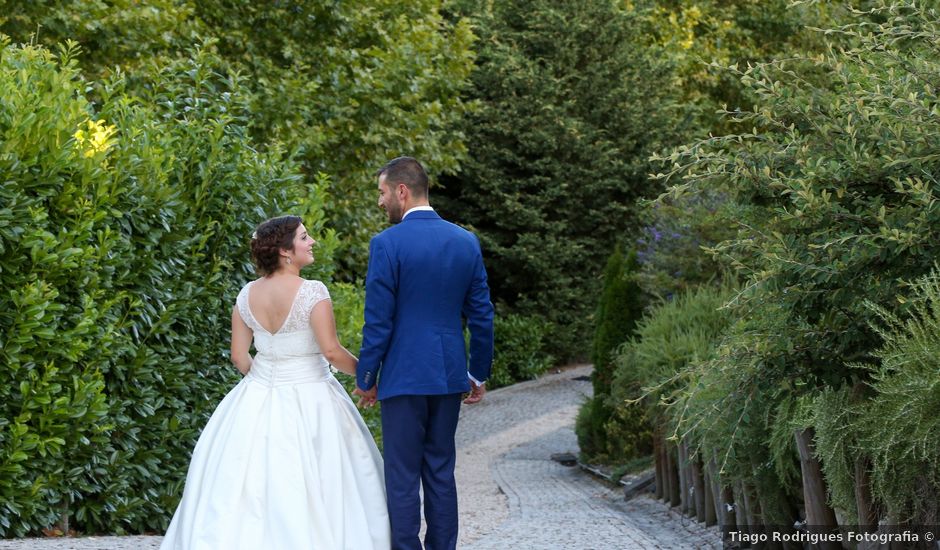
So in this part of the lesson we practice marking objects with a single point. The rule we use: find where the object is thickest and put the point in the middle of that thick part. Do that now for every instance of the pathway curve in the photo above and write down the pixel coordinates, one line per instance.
(512, 495)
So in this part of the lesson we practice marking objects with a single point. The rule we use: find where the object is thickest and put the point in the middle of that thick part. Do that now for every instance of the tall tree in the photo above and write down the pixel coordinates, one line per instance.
(570, 107)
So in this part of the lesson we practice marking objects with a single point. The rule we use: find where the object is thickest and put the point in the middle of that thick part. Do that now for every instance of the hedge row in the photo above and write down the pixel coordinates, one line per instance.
(809, 392)
(123, 241)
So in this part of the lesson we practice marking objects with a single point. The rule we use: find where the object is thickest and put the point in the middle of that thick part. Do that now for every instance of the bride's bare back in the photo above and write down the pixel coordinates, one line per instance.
(272, 298)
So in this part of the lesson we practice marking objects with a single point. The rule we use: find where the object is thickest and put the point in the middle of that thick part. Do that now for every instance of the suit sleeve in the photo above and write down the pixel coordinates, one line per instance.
(478, 310)
(379, 315)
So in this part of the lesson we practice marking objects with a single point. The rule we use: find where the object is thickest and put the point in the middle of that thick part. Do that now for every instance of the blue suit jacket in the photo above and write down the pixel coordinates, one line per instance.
(425, 275)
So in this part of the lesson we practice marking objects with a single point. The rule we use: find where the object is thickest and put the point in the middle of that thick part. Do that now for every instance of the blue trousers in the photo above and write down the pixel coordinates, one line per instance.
(418, 444)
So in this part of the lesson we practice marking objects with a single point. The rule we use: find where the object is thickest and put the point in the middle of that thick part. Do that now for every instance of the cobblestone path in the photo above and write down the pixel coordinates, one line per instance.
(512, 495)
(535, 503)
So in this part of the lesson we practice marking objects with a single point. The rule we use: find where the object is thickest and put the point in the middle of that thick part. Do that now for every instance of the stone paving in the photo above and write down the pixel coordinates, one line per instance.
(548, 505)
(512, 495)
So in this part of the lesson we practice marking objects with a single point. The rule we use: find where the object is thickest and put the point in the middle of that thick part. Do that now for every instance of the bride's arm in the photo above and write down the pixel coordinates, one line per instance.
(241, 343)
(324, 329)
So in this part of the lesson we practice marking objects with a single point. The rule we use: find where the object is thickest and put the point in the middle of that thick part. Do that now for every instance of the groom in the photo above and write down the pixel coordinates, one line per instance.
(425, 275)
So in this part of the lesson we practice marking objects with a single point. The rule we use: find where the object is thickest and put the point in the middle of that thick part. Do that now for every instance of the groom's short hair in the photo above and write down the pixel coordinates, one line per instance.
(408, 171)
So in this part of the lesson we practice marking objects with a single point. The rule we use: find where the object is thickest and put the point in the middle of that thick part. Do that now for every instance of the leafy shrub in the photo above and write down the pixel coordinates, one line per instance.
(620, 307)
(834, 176)
(570, 107)
(896, 425)
(519, 350)
(347, 85)
(672, 336)
(123, 242)
(590, 429)
(613, 432)
(899, 428)
(649, 368)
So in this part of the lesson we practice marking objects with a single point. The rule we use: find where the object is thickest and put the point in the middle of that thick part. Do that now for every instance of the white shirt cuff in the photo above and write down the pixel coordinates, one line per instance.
(475, 381)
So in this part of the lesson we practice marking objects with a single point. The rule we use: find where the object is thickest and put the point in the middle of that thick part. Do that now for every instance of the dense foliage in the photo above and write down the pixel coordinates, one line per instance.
(792, 257)
(822, 203)
(345, 85)
(124, 241)
(703, 36)
(620, 307)
(520, 351)
(570, 108)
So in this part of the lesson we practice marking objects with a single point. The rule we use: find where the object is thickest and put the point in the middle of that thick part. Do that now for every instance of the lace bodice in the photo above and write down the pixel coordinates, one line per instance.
(298, 319)
(291, 354)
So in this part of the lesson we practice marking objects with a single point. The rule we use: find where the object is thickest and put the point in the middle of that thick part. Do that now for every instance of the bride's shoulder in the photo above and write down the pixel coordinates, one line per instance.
(316, 290)
(246, 286)
(313, 283)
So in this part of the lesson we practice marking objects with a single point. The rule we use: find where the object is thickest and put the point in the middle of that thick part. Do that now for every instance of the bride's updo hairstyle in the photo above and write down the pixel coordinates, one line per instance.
(269, 239)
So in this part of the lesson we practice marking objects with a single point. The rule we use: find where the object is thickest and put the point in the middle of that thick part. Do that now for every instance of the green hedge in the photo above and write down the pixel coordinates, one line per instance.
(123, 242)
(829, 188)
(519, 350)
(606, 432)
(892, 423)
(572, 101)
(346, 85)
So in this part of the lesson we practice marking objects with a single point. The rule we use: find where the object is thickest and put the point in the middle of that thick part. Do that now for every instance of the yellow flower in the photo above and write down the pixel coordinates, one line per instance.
(95, 137)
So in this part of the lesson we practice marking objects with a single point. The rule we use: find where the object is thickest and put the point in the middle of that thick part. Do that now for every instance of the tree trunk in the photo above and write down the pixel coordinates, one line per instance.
(673, 474)
(751, 510)
(698, 486)
(709, 495)
(684, 484)
(660, 467)
(727, 520)
(728, 509)
(722, 498)
(742, 516)
(867, 516)
(819, 516)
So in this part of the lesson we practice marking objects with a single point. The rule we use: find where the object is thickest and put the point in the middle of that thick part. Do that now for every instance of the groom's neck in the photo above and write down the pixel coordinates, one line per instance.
(412, 203)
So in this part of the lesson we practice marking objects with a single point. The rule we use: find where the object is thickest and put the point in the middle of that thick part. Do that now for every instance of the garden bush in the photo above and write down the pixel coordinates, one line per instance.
(832, 178)
(619, 308)
(343, 85)
(891, 425)
(123, 243)
(649, 368)
(519, 350)
(570, 106)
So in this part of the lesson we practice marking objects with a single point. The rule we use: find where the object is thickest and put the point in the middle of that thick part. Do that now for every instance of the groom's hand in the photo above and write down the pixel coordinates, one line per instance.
(367, 398)
(477, 391)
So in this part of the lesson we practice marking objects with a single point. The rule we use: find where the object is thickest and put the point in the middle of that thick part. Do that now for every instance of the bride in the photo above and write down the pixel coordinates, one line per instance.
(285, 462)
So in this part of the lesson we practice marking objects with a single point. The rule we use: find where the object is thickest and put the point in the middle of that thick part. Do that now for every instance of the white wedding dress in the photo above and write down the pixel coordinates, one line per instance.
(285, 462)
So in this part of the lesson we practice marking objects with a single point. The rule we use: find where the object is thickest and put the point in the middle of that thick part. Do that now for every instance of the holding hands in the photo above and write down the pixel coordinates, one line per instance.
(367, 398)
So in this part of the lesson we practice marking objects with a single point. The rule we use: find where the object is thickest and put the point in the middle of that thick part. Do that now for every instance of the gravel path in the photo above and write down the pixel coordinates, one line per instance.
(512, 495)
